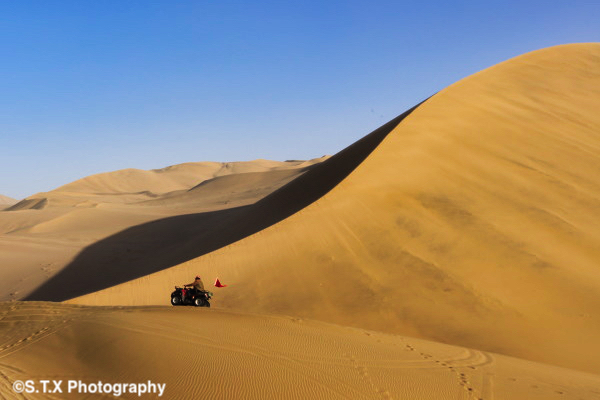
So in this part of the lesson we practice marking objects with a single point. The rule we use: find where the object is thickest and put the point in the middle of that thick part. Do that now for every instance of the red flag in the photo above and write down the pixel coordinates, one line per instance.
(218, 283)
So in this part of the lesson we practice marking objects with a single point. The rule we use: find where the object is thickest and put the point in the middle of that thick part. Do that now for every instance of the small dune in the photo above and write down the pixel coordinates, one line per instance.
(29, 204)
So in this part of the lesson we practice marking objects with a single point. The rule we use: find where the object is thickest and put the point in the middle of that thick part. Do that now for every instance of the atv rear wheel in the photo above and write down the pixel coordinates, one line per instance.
(175, 300)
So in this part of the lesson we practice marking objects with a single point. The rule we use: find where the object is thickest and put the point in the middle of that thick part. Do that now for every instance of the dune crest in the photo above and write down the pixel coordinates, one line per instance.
(474, 222)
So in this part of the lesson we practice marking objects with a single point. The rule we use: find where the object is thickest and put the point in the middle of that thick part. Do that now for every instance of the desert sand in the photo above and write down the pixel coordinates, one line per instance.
(224, 354)
(474, 223)
(451, 253)
(43, 233)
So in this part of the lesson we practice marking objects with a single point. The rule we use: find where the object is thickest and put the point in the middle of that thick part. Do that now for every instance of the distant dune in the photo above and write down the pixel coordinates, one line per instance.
(42, 234)
(474, 222)
(6, 201)
(130, 186)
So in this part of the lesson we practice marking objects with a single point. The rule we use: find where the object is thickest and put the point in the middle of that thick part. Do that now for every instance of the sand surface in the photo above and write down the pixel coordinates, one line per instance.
(469, 222)
(224, 354)
(474, 223)
(43, 233)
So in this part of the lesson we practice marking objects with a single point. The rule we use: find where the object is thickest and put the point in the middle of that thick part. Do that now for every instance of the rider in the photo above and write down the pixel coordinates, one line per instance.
(197, 285)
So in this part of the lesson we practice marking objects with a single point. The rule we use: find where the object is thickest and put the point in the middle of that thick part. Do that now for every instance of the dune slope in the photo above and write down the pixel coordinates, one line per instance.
(220, 354)
(474, 222)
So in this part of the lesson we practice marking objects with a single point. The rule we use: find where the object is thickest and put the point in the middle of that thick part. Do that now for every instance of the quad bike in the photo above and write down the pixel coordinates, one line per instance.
(198, 298)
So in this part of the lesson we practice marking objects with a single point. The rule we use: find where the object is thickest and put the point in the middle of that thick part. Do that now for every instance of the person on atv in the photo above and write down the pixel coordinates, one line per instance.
(197, 286)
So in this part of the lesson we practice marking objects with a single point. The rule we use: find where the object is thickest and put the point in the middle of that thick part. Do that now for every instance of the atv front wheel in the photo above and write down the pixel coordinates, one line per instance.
(199, 302)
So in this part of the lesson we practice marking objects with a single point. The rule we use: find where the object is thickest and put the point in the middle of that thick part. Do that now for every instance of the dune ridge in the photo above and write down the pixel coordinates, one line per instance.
(473, 223)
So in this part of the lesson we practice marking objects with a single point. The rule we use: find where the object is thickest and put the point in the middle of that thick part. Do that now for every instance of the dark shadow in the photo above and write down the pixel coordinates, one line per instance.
(154, 246)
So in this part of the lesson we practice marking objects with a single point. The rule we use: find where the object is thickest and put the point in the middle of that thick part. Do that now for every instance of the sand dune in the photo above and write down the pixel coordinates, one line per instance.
(42, 234)
(239, 188)
(224, 354)
(474, 222)
(6, 201)
(129, 186)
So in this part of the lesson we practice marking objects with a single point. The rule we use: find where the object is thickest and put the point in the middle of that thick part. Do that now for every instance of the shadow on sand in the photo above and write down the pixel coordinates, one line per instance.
(160, 244)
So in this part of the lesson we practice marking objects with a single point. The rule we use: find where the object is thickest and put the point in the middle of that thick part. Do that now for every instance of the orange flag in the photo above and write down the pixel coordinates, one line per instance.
(218, 283)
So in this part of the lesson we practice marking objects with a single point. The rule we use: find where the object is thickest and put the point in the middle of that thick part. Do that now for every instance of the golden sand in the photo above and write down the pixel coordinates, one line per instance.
(469, 223)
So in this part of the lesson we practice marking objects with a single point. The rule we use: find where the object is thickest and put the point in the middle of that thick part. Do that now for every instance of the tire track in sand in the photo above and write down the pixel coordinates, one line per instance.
(473, 360)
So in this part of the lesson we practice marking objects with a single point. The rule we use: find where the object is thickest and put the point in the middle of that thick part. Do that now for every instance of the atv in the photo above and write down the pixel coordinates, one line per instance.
(198, 298)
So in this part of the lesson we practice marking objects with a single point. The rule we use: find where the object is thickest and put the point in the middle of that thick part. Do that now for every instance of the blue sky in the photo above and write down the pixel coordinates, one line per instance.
(95, 86)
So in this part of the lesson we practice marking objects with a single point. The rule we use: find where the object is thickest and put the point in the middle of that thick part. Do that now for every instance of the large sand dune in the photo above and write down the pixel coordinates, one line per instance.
(224, 354)
(43, 233)
(474, 222)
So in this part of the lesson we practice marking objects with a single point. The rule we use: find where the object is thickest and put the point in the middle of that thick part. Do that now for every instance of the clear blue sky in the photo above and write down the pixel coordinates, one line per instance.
(95, 86)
